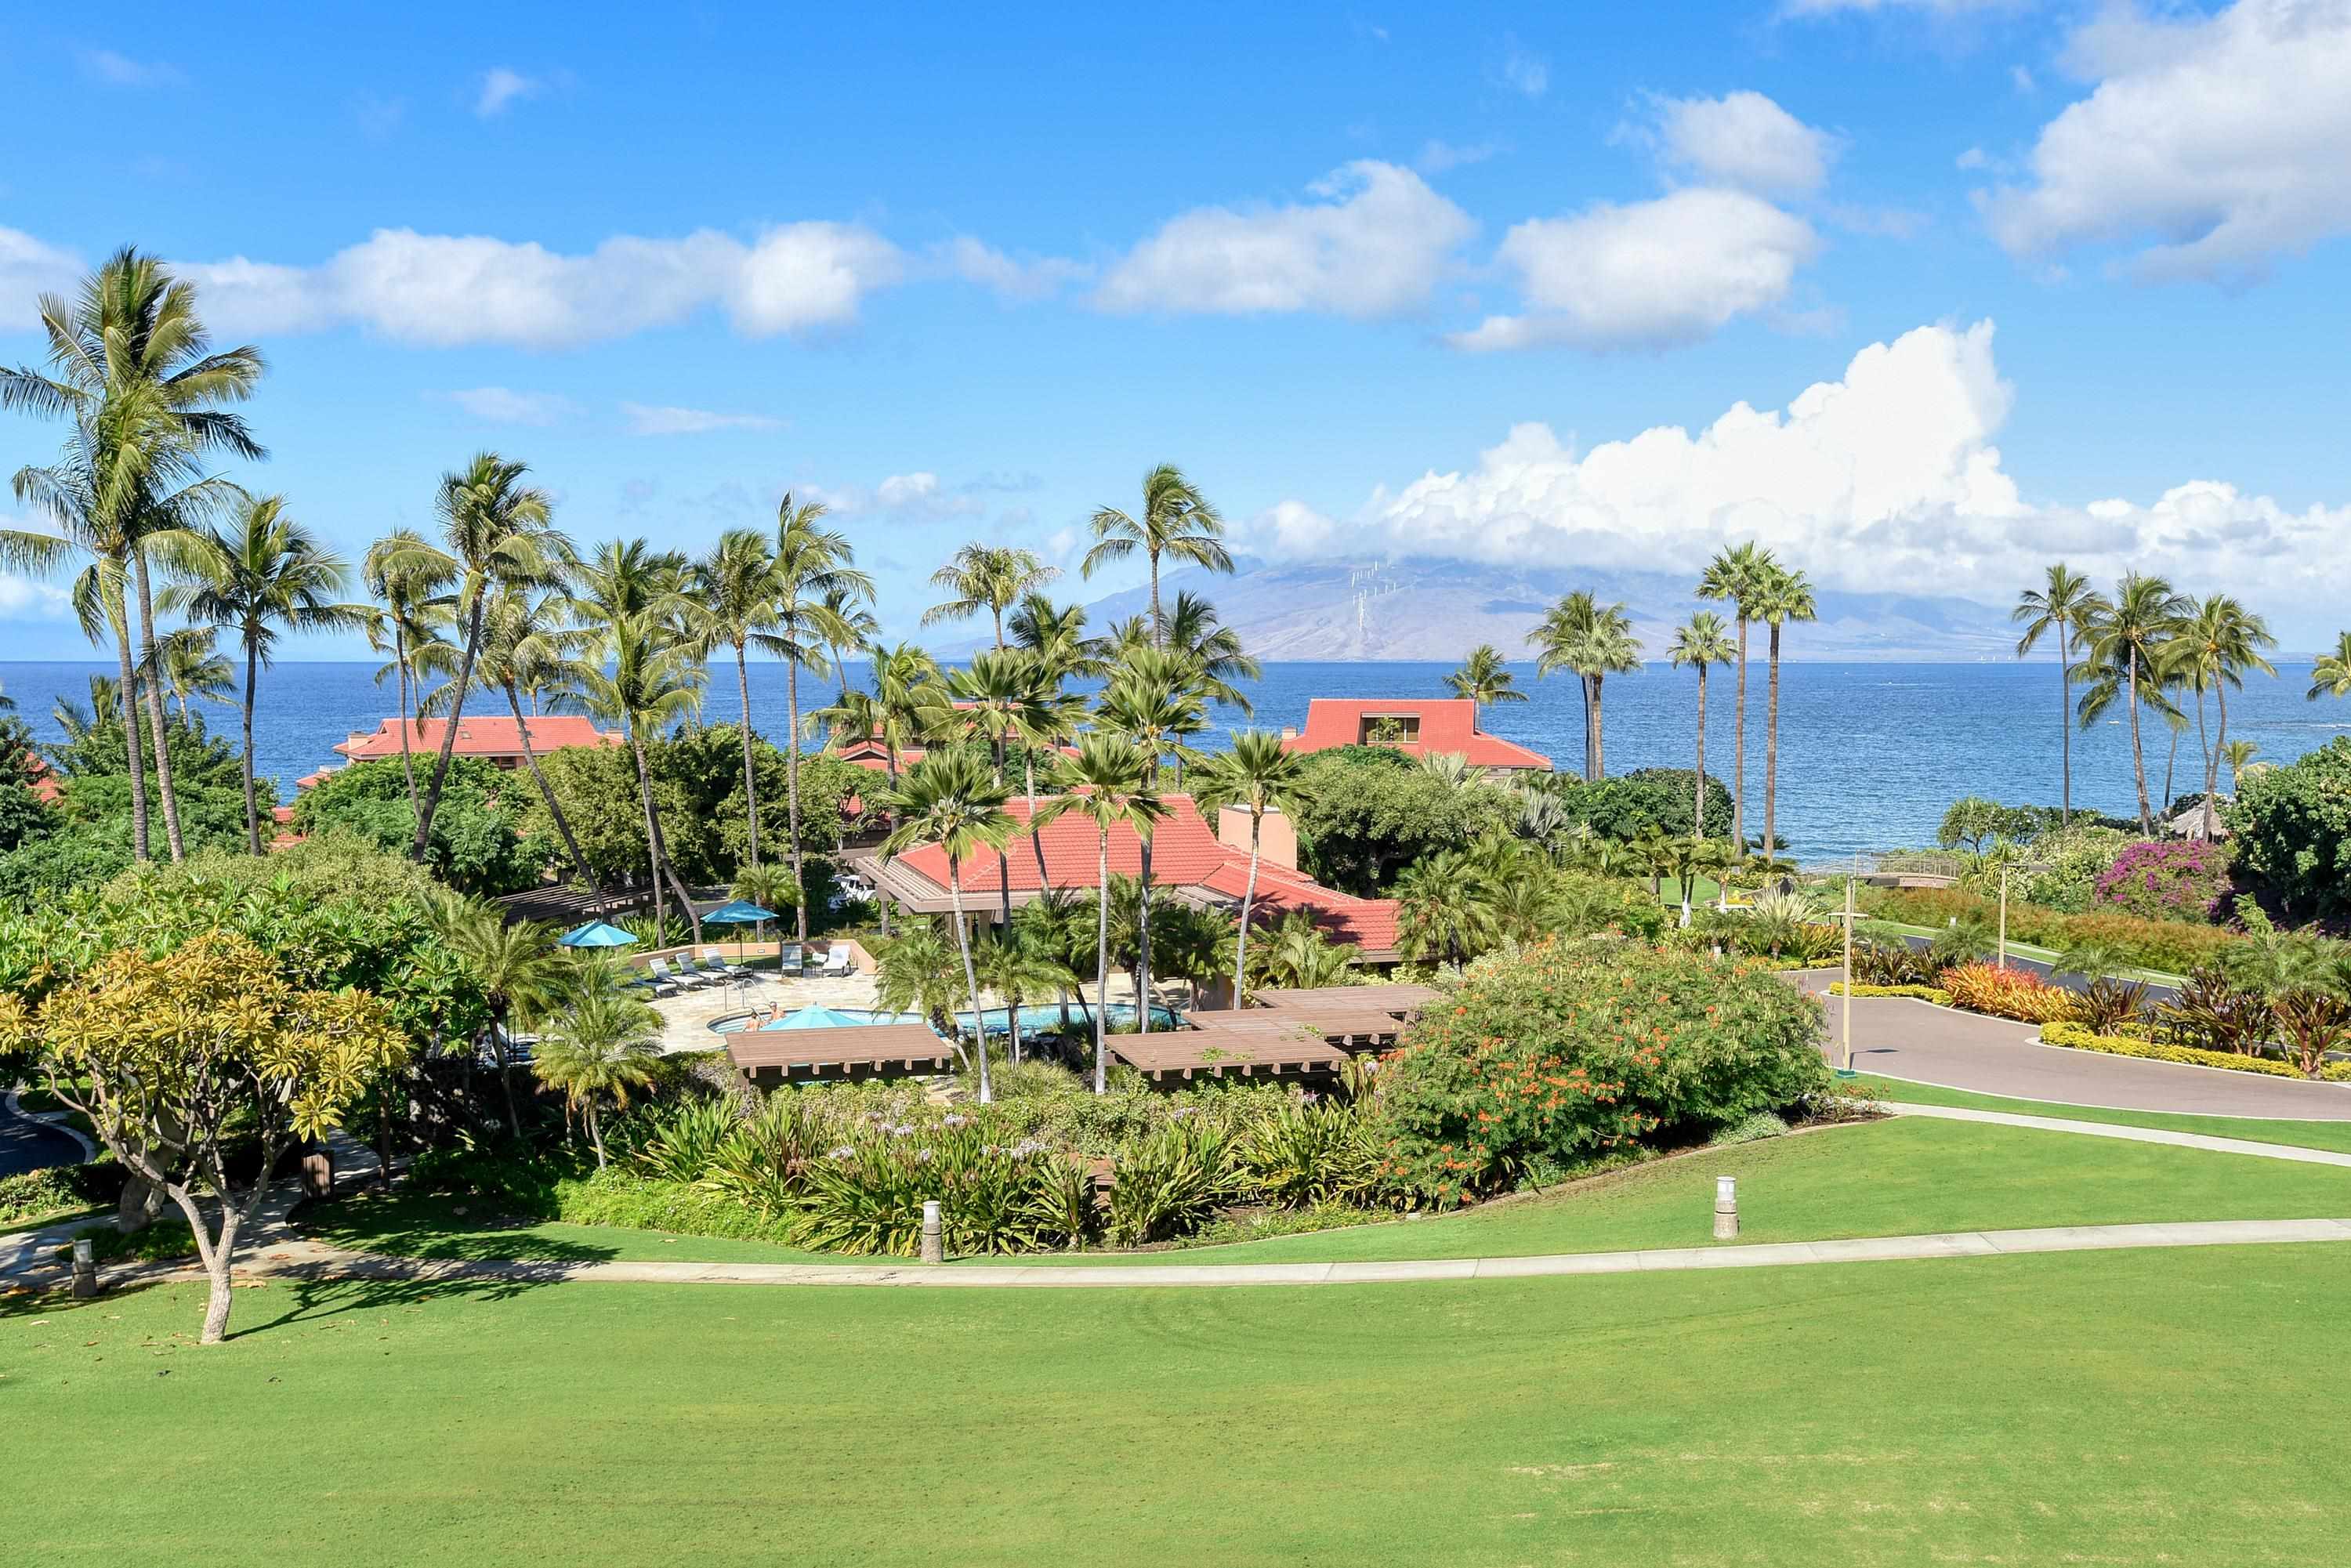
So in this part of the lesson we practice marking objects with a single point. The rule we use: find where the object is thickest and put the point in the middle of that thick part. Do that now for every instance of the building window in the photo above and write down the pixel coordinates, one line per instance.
(1389, 729)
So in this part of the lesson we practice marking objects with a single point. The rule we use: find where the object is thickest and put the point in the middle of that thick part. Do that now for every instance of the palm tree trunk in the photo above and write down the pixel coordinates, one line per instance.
(252, 806)
(2170, 763)
(970, 974)
(1771, 750)
(407, 765)
(449, 735)
(750, 782)
(1028, 770)
(1102, 967)
(1739, 751)
(792, 793)
(2139, 756)
(1697, 803)
(2212, 780)
(546, 793)
(1143, 944)
(1599, 731)
(652, 838)
(2064, 730)
(155, 707)
(595, 1131)
(128, 699)
(1003, 858)
(1158, 622)
(1584, 685)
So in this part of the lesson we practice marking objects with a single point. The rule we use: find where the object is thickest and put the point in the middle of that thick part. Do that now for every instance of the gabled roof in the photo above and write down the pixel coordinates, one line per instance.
(1448, 725)
(488, 736)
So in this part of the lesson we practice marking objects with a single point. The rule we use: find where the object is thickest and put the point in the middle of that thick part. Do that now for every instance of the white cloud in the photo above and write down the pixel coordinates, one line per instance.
(1375, 244)
(1014, 277)
(1437, 156)
(21, 599)
(1744, 140)
(1888, 475)
(1973, 158)
(1933, 8)
(1524, 72)
(444, 290)
(2220, 140)
(915, 494)
(28, 268)
(1646, 274)
(503, 406)
(652, 421)
(502, 88)
(120, 70)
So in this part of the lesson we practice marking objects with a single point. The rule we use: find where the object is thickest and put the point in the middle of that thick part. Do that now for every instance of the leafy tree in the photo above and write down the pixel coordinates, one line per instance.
(1371, 811)
(1970, 820)
(1663, 800)
(2292, 826)
(478, 846)
(176, 1059)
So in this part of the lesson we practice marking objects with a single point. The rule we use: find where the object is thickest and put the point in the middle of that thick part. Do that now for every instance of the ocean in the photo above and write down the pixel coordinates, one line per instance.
(1870, 754)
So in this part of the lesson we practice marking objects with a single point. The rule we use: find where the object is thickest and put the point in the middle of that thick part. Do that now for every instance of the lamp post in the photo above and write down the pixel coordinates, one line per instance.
(1850, 877)
(2001, 952)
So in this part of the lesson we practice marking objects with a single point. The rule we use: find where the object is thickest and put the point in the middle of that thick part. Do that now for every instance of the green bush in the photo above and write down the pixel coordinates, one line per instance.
(1560, 1052)
(1935, 994)
(2076, 858)
(2292, 828)
(476, 845)
(58, 1189)
(2081, 1037)
(2172, 947)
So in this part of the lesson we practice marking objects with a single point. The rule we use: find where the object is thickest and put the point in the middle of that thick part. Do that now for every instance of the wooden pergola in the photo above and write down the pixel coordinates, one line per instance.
(771, 1056)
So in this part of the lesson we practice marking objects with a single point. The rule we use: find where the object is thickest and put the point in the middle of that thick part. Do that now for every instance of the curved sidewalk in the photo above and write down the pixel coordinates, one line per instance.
(1903, 1037)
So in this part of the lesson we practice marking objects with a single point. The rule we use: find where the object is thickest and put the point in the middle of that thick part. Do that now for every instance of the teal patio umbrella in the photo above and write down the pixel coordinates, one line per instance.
(739, 913)
(597, 934)
(820, 1018)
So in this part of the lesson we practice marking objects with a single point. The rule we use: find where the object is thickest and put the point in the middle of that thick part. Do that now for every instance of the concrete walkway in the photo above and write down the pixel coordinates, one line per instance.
(2128, 1135)
(1903, 1037)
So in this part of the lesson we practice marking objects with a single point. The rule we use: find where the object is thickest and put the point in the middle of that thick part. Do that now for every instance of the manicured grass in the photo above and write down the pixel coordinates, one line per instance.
(430, 1227)
(2334, 1135)
(2121, 1407)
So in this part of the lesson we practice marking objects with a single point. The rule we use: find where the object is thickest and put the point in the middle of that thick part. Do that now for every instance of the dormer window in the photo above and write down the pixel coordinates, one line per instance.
(1389, 729)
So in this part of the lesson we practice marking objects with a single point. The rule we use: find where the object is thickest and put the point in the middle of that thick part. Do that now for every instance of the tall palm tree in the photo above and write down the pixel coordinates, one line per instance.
(1211, 650)
(992, 578)
(734, 600)
(1176, 520)
(2331, 675)
(518, 968)
(951, 799)
(1706, 641)
(1595, 641)
(1735, 576)
(1152, 702)
(1017, 964)
(190, 665)
(997, 701)
(133, 369)
(2239, 756)
(2213, 649)
(1484, 680)
(1056, 633)
(2066, 604)
(809, 561)
(525, 648)
(262, 576)
(601, 1043)
(1786, 595)
(1262, 778)
(2124, 650)
(494, 530)
(412, 580)
(641, 675)
(1442, 907)
(1109, 782)
(859, 626)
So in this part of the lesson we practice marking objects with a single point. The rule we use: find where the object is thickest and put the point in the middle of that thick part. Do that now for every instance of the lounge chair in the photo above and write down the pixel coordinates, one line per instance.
(838, 964)
(661, 971)
(717, 963)
(659, 985)
(790, 959)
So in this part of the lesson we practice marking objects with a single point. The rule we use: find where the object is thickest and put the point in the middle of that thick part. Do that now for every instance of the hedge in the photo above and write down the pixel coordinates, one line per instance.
(2173, 946)
(2080, 1036)
(1935, 994)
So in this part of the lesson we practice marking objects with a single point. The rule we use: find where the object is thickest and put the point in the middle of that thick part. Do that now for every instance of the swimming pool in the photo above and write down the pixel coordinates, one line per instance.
(1033, 1020)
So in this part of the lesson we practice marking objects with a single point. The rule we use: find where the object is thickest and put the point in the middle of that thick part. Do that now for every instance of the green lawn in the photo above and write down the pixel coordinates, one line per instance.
(2120, 1408)
(1885, 1178)
(1869, 926)
(2334, 1135)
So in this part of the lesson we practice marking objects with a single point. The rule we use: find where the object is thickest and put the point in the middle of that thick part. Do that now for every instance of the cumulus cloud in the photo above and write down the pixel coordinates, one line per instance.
(1931, 7)
(1014, 277)
(29, 268)
(502, 88)
(1743, 139)
(652, 421)
(1374, 242)
(2219, 139)
(1889, 474)
(1437, 156)
(919, 495)
(21, 599)
(1646, 274)
(504, 405)
(1525, 72)
(120, 70)
(446, 291)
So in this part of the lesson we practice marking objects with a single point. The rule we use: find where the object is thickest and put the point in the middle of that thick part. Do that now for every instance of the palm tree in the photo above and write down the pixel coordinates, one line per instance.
(809, 561)
(1261, 776)
(135, 374)
(263, 575)
(2124, 654)
(1737, 575)
(1210, 651)
(1056, 634)
(495, 530)
(1442, 907)
(517, 966)
(914, 971)
(734, 600)
(997, 700)
(523, 649)
(1176, 520)
(411, 579)
(1595, 642)
(952, 800)
(192, 666)
(992, 578)
(1484, 680)
(1151, 700)
(2065, 604)
(1785, 595)
(1109, 782)
(2239, 756)
(858, 626)
(1704, 641)
(2331, 677)
(2213, 649)
(602, 1044)
(1015, 964)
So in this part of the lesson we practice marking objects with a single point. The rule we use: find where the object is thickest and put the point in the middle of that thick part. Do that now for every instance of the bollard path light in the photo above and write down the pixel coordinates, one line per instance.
(1726, 1208)
(934, 1241)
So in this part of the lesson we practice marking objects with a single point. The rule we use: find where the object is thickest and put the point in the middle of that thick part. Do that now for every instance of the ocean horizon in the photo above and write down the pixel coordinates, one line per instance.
(1871, 753)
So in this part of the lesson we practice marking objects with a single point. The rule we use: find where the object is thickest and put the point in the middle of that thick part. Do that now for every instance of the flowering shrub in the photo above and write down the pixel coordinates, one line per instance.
(2177, 880)
(1559, 1053)
(2016, 994)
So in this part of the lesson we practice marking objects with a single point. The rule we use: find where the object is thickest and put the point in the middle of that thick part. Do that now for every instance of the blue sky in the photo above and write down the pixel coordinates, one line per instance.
(1409, 281)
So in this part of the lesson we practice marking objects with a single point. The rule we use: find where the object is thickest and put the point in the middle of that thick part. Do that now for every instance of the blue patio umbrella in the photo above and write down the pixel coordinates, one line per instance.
(597, 934)
(741, 912)
(820, 1018)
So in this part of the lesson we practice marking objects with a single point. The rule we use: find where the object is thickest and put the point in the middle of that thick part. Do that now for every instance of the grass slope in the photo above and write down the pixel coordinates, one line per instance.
(2121, 1408)
(2334, 1135)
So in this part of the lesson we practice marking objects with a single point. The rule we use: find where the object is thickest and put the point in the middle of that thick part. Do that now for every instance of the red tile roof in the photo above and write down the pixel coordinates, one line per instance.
(1185, 853)
(44, 784)
(488, 736)
(1448, 725)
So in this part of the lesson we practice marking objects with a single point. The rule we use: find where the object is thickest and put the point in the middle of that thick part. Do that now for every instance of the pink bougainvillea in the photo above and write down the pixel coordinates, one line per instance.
(2178, 878)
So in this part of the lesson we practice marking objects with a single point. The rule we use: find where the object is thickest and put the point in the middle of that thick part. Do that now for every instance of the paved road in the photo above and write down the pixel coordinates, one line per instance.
(29, 1146)
(1905, 1039)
